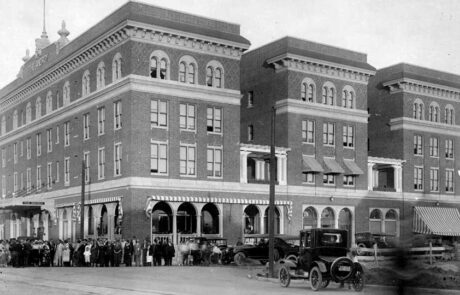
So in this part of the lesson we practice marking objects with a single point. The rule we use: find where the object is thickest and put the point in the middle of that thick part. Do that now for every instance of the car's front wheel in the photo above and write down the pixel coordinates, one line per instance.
(316, 278)
(358, 281)
(285, 276)
(239, 258)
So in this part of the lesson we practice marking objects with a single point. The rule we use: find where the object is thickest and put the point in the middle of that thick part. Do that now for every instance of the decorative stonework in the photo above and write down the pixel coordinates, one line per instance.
(423, 88)
(321, 68)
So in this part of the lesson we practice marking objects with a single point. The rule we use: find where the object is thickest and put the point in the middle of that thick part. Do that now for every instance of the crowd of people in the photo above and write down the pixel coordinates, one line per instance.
(87, 252)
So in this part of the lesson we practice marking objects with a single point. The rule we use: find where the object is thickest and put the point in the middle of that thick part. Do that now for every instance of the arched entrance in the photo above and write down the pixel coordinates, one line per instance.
(310, 218)
(40, 228)
(327, 218)
(65, 225)
(277, 221)
(162, 218)
(345, 222)
(210, 219)
(186, 219)
(90, 221)
(251, 220)
(103, 228)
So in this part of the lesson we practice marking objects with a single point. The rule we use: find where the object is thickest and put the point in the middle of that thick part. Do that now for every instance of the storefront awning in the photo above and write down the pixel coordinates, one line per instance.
(310, 164)
(351, 168)
(24, 206)
(437, 220)
(332, 167)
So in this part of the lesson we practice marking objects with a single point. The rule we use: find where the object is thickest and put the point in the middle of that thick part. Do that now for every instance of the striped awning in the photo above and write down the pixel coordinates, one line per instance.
(436, 220)
(332, 167)
(351, 168)
(310, 164)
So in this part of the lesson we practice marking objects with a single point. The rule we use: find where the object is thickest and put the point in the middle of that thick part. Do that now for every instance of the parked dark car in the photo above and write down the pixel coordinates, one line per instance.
(368, 239)
(322, 259)
(256, 247)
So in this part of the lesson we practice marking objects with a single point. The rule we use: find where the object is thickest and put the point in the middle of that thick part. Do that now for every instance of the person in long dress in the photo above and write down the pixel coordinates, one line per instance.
(58, 254)
(3, 254)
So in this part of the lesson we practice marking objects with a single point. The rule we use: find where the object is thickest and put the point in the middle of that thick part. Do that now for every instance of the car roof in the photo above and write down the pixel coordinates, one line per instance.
(266, 236)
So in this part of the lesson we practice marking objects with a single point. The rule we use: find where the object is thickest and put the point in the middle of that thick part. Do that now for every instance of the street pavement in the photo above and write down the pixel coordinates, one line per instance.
(173, 280)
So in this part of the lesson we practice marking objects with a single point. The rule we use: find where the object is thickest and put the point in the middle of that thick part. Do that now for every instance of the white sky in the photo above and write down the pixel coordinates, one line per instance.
(420, 32)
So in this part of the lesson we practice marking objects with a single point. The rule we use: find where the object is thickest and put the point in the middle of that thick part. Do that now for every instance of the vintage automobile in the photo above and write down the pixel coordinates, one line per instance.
(256, 247)
(322, 259)
(368, 239)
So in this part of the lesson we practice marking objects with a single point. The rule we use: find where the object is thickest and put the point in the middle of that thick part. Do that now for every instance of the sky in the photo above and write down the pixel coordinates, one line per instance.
(420, 32)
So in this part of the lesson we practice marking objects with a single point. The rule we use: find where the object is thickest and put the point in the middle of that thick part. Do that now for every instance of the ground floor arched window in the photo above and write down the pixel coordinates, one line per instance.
(391, 218)
(345, 220)
(186, 219)
(327, 218)
(310, 218)
(375, 221)
(210, 219)
(162, 218)
(65, 225)
(277, 220)
(251, 220)
(90, 221)
(104, 222)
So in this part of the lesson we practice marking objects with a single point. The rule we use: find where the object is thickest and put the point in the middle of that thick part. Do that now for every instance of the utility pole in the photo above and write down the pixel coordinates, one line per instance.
(82, 203)
(271, 204)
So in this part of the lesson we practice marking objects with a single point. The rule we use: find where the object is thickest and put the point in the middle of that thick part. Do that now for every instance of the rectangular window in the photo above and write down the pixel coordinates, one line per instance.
(101, 163)
(158, 113)
(3, 184)
(22, 148)
(21, 187)
(49, 140)
(57, 172)
(15, 182)
(434, 180)
(29, 148)
(66, 133)
(449, 149)
(449, 181)
(159, 157)
(86, 126)
(86, 160)
(214, 161)
(329, 179)
(66, 171)
(187, 116)
(3, 158)
(15, 152)
(214, 120)
(309, 177)
(117, 157)
(348, 180)
(101, 120)
(348, 136)
(308, 131)
(418, 145)
(39, 177)
(418, 178)
(328, 134)
(39, 144)
(250, 98)
(57, 134)
(117, 115)
(434, 147)
(29, 180)
(187, 161)
(49, 175)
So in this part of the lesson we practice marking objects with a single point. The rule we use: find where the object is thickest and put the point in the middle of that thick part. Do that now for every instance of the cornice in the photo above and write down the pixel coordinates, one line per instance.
(129, 30)
(297, 106)
(320, 68)
(404, 123)
(244, 147)
(423, 88)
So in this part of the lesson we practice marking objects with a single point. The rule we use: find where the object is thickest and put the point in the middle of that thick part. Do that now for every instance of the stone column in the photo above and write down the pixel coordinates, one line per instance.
(61, 224)
(110, 216)
(45, 226)
(281, 169)
(397, 177)
(28, 231)
(36, 224)
(370, 176)
(198, 223)
(243, 166)
(85, 222)
(174, 213)
(262, 209)
(221, 219)
(12, 225)
(97, 217)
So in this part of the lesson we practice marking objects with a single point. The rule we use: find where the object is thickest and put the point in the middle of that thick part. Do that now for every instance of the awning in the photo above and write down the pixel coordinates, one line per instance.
(351, 168)
(436, 220)
(311, 165)
(332, 167)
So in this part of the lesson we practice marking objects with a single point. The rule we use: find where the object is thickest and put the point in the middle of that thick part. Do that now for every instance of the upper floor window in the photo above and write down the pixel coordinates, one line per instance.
(116, 67)
(434, 147)
(329, 94)
(100, 75)
(308, 90)
(250, 98)
(434, 112)
(418, 110)
(49, 103)
(101, 120)
(308, 131)
(66, 133)
(187, 116)
(214, 120)
(158, 113)
(449, 187)
(39, 143)
(250, 132)
(66, 93)
(86, 126)
(15, 119)
(38, 108)
(328, 133)
(215, 74)
(449, 149)
(418, 178)
(159, 65)
(449, 117)
(187, 160)
(187, 70)
(348, 136)
(49, 140)
(3, 130)
(214, 161)
(159, 157)
(117, 158)
(85, 84)
(418, 145)
(28, 113)
(117, 115)
(348, 97)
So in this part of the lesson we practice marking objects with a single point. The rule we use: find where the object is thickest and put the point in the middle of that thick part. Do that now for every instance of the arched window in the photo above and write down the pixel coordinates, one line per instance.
(188, 70)
(191, 73)
(116, 67)
(85, 87)
(327, 218)
(434, 112)
(15, 119)
(375, 221)
(210, 219)
(162, 218)
(186, 219)
(182, 72)
(329, 94)
(103, 223)
(418, 110)
(277, 221)
(251, 220)
(100, 75)
(391, 218)
(38, 108)
(215, 74)
(310, 218)
(348, 97)
(308, 90)
(49, 102)
(159, 65)
(28, 113)
(66, 94)
(449, 117)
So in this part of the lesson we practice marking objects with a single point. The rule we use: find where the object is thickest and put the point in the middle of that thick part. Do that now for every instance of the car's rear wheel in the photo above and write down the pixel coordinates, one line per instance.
(239, 258)
(358, 281)
(285, 276)
(360, 249)
(325, 284)
(316, 278)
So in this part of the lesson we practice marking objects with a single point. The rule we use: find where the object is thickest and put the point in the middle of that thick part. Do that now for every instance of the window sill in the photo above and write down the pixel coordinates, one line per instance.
(214, 133)
(187, 176)
(308, 143)
(216, 177)
(348, 148)
(188, 130)
(159, 127)
(158, 174)
(308, 183)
